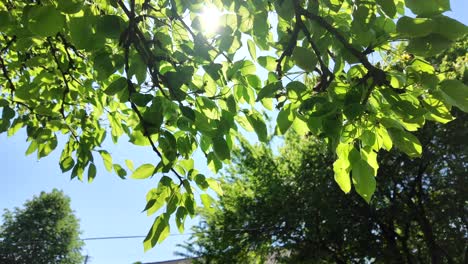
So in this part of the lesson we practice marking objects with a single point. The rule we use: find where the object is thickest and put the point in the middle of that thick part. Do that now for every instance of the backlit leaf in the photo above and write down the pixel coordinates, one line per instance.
(143, 172)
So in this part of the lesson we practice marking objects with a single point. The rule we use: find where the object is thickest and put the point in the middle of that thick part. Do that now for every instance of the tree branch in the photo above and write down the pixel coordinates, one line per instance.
(3, 65)
(64, 77)
(289, 49)
(131, 89)
(378, 75)
(327, 76)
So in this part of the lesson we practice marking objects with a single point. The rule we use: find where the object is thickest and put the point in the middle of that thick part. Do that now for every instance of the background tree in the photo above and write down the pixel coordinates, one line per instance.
(286, 206)
(44, 231)
(150, 72)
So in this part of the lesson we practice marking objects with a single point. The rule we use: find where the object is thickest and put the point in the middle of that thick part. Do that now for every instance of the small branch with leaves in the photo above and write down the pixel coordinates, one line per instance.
(131, 88)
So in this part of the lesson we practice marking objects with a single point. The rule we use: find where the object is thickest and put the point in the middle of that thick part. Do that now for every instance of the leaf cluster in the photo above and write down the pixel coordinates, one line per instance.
(284, 206)
(146, 71)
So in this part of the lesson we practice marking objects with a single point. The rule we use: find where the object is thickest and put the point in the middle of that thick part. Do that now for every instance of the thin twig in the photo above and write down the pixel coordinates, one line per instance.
(64, 77)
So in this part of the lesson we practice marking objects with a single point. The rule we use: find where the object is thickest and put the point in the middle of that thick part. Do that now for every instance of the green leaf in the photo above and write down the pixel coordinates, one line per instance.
(110, 26)
(120, 171)
(215, 186)
(429, 45)
(44, 149)
(32, 147)
(201, 182)
(247, 67)
(8, 113)
(172, 202)
(259, 126)
(388, 6)
(207, 201)
(45, 21)
(214, 164)
(129, 164)
(370, 156)
(5, 20)
(363, 179)
(428, 7)
(252, 49)
(341, 168)
(82, 32)
(437, 110)
(107, 159)
(269, 90)
(304, 58)
(318, 107)
(181, 214)
(285, 9)
(158, 233)
(368, 138)
(267, 62)
(384, 138)
(116, 86)
(415, 27)
(66, 164)
(143, 172)
(406, 142)
(221, 148)
(296, 91)
(70, 6)
(141, 99)
(187, 112)
(189, 203)
(354, 110)
(285, 119)
(91, 172)
(156, 198)
(449, 27)
(455, 93)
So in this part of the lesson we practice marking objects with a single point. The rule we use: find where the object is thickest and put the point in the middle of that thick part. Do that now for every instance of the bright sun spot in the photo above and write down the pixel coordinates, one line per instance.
(210, 19)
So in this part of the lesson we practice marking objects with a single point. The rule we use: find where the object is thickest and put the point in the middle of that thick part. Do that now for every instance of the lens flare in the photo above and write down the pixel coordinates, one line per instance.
(210, 17)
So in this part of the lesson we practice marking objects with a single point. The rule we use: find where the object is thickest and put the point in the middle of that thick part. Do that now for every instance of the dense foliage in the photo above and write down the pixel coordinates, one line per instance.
(286, 206)
(45, 231)
(147, 70)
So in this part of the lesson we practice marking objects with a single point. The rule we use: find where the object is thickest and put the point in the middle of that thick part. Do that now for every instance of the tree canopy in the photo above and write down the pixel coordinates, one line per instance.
(284, 207)
(150, 72)
(44, 231)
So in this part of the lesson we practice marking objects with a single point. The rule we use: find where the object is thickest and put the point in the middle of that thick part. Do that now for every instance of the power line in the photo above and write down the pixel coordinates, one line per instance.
(130, 237)
(110, 237)
(184, 234)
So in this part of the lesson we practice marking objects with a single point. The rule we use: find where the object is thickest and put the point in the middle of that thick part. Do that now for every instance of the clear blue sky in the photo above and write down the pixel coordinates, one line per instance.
(107, 207)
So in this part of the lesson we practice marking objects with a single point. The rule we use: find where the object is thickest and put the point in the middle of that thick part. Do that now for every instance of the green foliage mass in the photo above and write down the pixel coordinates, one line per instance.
(45, 231)
(146, 70)
(285, 206)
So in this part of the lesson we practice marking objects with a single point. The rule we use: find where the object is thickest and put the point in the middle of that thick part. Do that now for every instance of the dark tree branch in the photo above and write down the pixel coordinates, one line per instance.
(64, 74)
(6, 74)
(133, 35)
(8, 45)
(131, 87)
(289, 49)
(327, 76)
(3, 64)
(379, 77)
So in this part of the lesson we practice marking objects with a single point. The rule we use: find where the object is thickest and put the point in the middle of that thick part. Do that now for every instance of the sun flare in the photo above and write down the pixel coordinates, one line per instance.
(210, 18)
